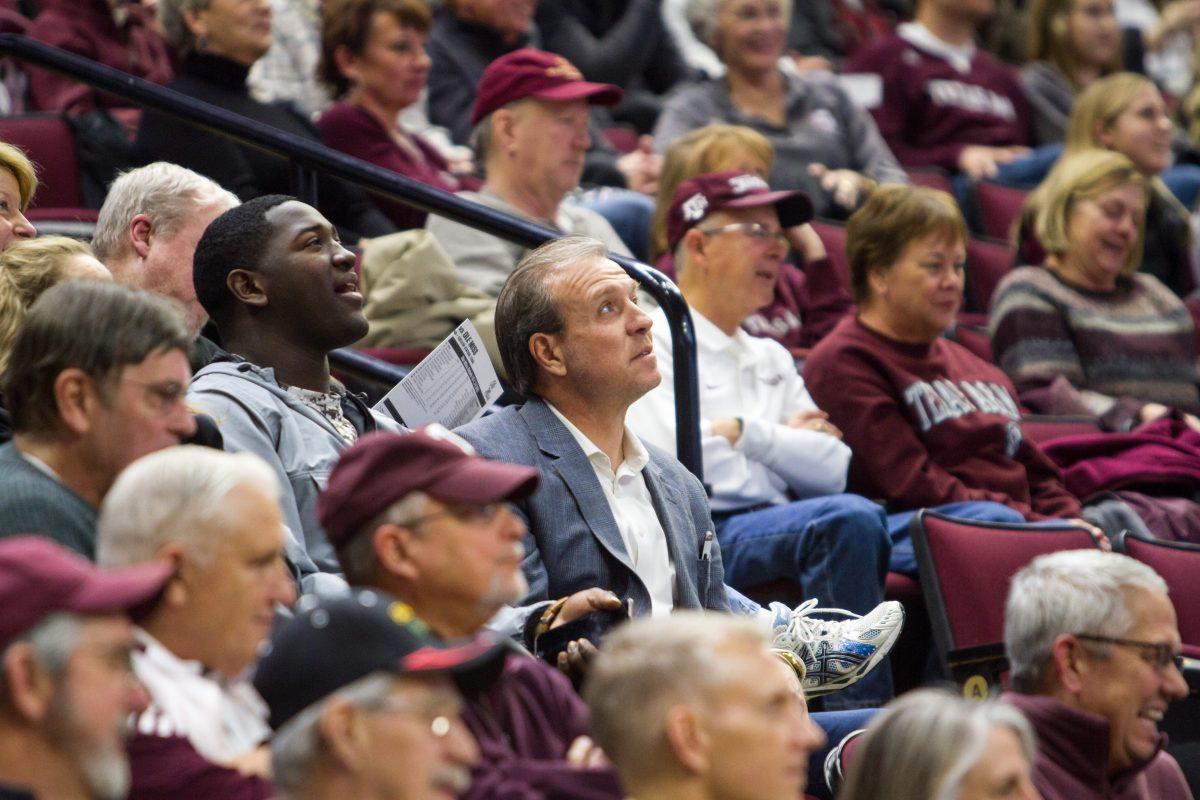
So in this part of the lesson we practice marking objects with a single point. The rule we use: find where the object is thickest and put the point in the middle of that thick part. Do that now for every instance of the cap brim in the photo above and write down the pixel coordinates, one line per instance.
(120, 590)
(598, 94)
(478, 480)
(474, 664)
(793, 207)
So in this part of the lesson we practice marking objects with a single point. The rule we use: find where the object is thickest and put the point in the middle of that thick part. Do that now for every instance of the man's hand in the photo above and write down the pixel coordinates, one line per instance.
(1096, 533)
(580, 604)
(586, 754)
(979, 161)
(810, 63)
(254, 764)
(642, 167)
(1151, 412)
(805, 241)
(814, 421)
(846, 185)
(728, 427)
(574, 661)
(1180, 15)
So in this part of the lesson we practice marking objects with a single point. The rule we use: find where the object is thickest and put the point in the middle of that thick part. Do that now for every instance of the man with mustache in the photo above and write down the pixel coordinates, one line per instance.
(422, 518)
(215, 517)
(366, 704)
(66, 689)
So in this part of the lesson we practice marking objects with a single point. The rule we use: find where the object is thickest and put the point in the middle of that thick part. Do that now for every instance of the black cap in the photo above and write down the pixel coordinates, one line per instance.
(330, 643)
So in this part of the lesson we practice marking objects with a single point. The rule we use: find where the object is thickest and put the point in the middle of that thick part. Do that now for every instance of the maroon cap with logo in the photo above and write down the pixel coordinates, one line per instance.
(381, 468)
(39, 578)
(702, 195)
(535, 73)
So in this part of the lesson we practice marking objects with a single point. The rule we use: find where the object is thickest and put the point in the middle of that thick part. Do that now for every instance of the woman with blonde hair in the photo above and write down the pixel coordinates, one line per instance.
(18, 182)
(807, 302)
(1087, 332)
(29, 268)
(932, 745)
(1126, 113)
(1072, 43)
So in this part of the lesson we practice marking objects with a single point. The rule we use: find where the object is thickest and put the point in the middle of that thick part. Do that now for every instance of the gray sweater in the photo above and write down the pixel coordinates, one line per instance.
(823, 126)
(33, 502)
(1051, 97)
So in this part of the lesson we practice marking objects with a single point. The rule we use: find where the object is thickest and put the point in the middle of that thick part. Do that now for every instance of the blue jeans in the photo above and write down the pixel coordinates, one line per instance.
(904, 560)
(836, 724)
(627, 211)
(1184, 182)
(835, 547)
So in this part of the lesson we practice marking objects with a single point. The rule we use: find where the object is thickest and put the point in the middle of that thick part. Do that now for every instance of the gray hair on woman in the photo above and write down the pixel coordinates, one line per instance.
(172, 15)
(702, 18)
(923, 744)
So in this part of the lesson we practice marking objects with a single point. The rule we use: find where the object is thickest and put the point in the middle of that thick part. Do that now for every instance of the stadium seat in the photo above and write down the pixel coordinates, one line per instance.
(974, 338)
(931, 178)
(50, 144)
(965, 568)
(833, 236)
(999, 206)
(1178, 563)
(987, 264)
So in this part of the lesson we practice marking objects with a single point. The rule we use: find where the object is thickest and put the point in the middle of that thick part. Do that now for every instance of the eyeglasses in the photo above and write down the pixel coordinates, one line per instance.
(755, 230)
(484, 513)
(1160, 656)
(438, 714)
(166, 395)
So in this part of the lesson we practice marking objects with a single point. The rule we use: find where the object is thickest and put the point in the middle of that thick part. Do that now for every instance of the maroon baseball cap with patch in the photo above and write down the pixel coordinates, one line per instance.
(382, 467)
(39, 578)
(702, 195)
(535, 73)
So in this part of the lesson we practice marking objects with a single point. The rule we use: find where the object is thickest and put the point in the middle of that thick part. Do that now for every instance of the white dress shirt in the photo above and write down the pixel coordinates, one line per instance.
(633, 509)
(755, 379)
(221, 719)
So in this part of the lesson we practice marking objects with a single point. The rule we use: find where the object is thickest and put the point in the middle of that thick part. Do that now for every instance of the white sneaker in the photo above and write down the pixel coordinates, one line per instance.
(836, 654)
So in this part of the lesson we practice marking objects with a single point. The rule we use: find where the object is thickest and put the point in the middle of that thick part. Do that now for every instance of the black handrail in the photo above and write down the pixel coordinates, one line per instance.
(307, 156)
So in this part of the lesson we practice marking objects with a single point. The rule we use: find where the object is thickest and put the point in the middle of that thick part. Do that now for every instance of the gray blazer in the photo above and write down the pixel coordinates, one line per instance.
(573, 542)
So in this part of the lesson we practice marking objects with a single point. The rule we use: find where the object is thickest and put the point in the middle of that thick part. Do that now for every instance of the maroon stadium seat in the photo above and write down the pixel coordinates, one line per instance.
(987, 264)
(965, 569)
(975, 339)
(1178, 563)
(50, 144)
(931, 178)
(833, 236)
(999, 207)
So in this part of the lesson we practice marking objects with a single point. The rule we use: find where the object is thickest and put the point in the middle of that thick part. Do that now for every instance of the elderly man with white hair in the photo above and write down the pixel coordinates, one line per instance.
(216, 517)
(149, 225)
(1093, 648)
(696, 706)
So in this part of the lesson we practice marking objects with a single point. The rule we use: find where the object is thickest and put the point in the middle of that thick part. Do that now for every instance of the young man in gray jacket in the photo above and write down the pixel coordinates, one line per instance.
(282, 292)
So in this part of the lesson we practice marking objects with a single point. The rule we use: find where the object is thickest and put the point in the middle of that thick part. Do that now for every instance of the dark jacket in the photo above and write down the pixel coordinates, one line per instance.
(246, 171)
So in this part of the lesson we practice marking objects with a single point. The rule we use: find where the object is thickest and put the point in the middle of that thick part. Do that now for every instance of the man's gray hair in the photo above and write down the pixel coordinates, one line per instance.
(297, 747)
(1071, 591)
(357, 554)
(175, 30)
(174, 495)
(165, 192)
(922, 745)
(481, 139)
(526, 304)
(53, 641)
(651, 664)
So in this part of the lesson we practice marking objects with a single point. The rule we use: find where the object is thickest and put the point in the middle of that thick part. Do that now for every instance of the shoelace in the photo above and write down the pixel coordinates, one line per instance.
(804, 629)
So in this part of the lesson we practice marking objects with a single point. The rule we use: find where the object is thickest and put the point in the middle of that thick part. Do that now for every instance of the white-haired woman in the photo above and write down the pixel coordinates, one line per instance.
(933, 745)
(824, 143)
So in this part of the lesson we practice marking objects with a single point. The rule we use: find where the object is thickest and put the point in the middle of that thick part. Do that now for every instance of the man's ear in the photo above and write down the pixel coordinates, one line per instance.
(248, 287)
(343, 732)
(195, 23)
(30, 689)
(77, 398)
(1069, 664)
(180, 586)
(141, 234)
(547, 353)
(687, 739)
(393, 551)
(503, 123)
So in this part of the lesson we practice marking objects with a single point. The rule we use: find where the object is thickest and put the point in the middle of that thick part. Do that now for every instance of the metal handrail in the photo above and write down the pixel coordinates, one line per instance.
(307, 157)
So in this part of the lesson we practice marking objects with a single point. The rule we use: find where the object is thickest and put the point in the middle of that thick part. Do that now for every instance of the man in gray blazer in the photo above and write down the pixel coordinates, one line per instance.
(575, 343)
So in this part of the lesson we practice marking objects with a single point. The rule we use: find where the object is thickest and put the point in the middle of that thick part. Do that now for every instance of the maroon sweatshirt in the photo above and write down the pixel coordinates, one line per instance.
(930, 111)
(930, 424)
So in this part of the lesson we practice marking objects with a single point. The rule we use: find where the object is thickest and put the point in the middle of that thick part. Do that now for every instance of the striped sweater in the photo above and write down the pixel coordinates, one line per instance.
(1076, 351)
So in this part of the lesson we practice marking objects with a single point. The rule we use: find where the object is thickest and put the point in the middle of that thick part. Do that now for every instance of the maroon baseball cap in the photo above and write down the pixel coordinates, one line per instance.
(382, 467)
(39, 578)
(702, 195)
(535, 73)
